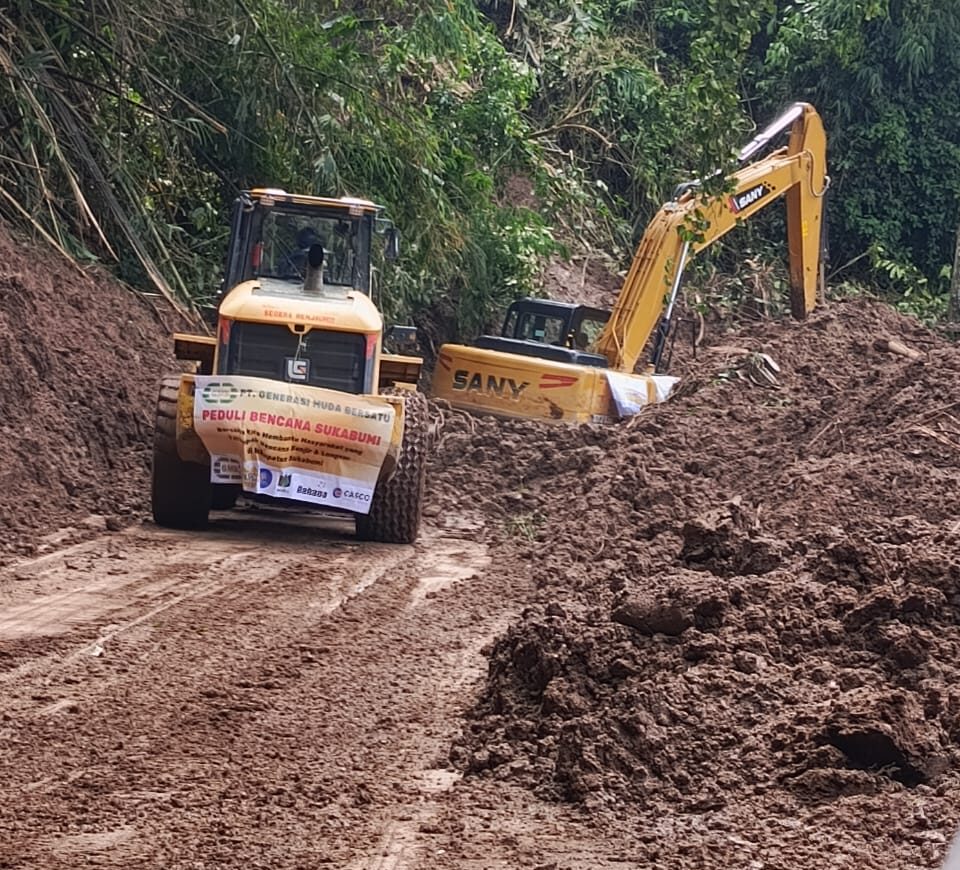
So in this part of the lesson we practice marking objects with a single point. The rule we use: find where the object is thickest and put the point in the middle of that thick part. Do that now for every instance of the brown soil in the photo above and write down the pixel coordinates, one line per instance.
(722, 634)
(747, 611)
(81, 357)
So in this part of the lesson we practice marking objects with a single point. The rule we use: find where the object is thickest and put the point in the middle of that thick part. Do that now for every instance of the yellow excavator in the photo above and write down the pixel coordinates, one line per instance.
(570, 363)
(296, 401)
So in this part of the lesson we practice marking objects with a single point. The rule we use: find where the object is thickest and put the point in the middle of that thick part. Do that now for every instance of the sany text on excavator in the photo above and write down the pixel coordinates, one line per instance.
(571, 363)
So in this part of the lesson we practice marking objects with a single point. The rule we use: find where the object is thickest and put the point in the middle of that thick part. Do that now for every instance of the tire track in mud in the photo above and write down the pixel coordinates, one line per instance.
(265, 694)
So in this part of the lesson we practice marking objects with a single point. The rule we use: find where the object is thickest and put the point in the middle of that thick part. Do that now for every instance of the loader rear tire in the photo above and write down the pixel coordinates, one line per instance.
(394, 516)
(181, 491)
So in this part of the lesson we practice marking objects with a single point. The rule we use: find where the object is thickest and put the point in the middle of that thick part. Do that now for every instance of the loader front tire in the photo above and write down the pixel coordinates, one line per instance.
(180, 492)
(397, 505)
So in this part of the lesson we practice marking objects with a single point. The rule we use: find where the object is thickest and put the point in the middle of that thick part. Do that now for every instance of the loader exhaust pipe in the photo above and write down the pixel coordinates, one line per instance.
(313, 277)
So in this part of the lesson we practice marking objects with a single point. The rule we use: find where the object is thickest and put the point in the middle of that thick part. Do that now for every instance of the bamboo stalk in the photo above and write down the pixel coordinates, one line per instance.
(37, 226)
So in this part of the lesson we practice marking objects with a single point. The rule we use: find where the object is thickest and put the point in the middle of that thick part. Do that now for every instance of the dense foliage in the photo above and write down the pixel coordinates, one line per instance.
(129, 127)
(886, 75)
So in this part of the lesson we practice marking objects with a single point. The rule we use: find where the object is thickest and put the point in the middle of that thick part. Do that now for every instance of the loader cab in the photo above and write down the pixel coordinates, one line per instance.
(558, 331)
(272, 234)
(295, 301)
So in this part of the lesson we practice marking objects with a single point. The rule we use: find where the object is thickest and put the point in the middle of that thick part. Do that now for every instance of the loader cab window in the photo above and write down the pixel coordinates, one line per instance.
(287, 237)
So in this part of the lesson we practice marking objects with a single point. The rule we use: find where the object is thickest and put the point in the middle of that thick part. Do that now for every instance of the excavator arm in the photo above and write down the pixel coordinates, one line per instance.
(693, 221)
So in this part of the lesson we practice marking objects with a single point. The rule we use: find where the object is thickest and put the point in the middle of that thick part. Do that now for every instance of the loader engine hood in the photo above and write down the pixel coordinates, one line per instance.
(270, 300)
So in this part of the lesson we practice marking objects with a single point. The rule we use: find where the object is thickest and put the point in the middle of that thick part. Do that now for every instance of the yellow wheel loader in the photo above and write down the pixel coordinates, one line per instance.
(294, 401)
(573, 364)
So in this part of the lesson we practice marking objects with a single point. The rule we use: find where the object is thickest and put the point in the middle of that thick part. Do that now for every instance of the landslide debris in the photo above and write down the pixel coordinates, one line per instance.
(81, 358)
(748, 597)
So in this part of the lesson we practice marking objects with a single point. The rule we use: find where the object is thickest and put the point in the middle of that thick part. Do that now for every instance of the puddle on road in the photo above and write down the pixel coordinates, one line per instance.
(448, 561)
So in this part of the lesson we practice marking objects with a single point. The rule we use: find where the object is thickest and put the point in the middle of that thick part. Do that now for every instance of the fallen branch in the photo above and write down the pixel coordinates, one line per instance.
(930, 433)
(729, 349)
(891, 345)
(820, 434)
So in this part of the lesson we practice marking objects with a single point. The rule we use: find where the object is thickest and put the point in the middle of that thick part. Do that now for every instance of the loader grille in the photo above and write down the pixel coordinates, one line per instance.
(320, 357)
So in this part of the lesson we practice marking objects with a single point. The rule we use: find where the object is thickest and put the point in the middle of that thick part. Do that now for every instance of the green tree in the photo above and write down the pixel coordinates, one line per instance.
(886, 76)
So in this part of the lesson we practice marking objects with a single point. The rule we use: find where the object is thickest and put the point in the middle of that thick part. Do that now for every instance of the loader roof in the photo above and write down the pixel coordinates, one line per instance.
(350, 204)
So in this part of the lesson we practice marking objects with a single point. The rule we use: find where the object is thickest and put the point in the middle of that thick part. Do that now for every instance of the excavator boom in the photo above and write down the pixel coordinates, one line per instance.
(797, 171)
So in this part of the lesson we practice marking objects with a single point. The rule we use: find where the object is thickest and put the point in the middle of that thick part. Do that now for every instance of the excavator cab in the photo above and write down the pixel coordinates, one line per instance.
(544, 328)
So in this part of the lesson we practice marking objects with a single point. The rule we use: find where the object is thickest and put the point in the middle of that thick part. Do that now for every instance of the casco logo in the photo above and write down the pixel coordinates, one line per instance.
(298, 369)
(220, 393)
(349, 493)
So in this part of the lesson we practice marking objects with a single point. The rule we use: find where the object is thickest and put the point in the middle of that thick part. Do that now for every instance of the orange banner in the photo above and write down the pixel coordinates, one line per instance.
(293, 441)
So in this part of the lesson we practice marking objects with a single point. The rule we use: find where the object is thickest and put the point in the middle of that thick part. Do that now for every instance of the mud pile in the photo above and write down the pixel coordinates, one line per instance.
(751, 593)
(81, 357)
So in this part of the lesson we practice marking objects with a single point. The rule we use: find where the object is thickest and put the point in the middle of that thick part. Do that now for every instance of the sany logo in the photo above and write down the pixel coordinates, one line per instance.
(220, 393)
(739, 201)
(298, 369)
(491, 385)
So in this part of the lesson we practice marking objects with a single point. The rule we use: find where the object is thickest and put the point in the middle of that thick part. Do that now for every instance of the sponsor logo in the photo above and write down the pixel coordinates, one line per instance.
(490, 385)
(226, 467)
(266, 476)
(311, 492)
(740, 201)
(298, 369)
(351, 494)
(220, 393)
(284, 481)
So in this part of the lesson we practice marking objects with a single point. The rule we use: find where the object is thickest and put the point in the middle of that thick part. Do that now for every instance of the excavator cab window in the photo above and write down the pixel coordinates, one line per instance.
(545, 329)
(586, 328)
(534, 326)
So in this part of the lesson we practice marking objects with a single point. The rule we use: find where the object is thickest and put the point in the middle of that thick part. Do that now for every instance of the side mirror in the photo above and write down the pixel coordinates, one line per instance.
(391, 248)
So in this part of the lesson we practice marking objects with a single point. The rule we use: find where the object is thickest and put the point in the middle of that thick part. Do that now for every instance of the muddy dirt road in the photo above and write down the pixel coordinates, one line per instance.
(724, 634)
(268, 693)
